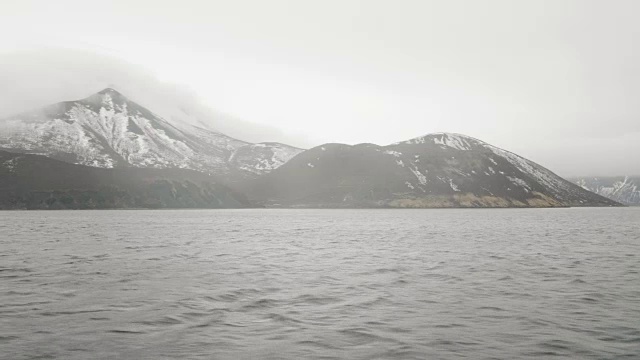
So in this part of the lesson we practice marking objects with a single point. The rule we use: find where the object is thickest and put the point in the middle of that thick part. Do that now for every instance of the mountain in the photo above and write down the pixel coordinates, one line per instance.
(37, 182)
(623, 189)
(436, 170)
(108, 130)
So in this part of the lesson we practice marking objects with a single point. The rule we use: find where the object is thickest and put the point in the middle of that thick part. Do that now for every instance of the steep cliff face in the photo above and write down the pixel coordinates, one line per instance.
(108, 130)
(436, 170)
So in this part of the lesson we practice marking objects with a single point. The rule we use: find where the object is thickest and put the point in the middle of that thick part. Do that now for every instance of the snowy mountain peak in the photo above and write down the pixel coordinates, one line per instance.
(106, 129)
(444, 139)
(105, 95)
(624, 189)
(109, 91)
(111, 99)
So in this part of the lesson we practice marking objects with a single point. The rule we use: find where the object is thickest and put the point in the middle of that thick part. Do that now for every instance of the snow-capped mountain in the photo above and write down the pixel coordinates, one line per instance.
(436, 170)
(623, 189)
(108, 130)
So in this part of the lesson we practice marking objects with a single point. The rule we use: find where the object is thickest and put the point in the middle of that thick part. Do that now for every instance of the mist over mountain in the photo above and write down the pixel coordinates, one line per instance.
(331, 179)
(31, 79)
(108, 130)
(545, 122)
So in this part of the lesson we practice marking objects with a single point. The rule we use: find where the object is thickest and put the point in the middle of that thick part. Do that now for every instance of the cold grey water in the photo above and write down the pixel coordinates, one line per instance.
(330, 284)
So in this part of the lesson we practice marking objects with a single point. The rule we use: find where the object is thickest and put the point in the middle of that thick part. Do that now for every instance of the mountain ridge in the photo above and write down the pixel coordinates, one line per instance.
(432, 170)
(30, 181)
(624, 189)
(106, 129)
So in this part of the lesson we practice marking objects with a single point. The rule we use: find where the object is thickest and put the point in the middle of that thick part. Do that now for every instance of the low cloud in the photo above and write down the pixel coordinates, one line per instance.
(32, 79)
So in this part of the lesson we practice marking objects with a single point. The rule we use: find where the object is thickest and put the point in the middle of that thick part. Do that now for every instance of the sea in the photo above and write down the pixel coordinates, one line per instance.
(320, 284)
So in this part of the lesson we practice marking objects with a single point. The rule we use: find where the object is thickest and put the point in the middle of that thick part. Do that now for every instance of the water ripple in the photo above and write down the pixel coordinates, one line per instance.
(322, 284)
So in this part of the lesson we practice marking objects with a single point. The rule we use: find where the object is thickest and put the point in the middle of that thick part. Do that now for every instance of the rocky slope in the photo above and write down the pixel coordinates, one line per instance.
(436, 170)
(37, 182)
(108, 130)
(623, 189)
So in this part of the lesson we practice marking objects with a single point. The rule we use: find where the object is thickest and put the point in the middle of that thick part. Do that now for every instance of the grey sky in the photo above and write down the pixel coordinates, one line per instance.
(555, 81)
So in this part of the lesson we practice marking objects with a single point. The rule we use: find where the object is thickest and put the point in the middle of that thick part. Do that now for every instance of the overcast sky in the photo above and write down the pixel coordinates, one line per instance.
(556, 81)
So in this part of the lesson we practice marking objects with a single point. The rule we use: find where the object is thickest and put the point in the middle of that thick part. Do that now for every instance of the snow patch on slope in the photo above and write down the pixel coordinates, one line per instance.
(421, 178)
(11, 164)
(453, 186)
(452, 140)
(519, 182)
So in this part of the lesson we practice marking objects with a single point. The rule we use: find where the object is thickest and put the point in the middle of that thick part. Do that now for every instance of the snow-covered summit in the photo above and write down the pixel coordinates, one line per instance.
(106, 129)
(452, 140)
